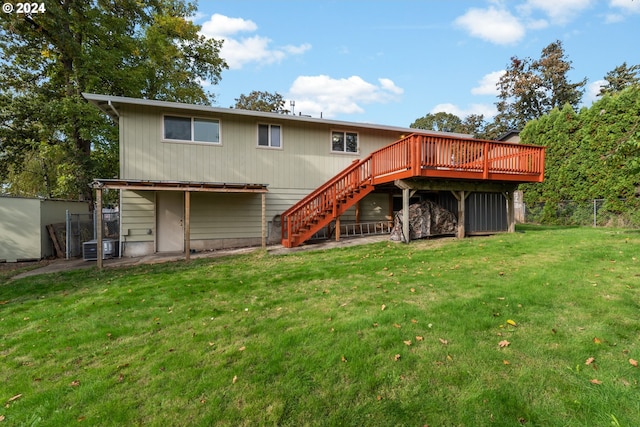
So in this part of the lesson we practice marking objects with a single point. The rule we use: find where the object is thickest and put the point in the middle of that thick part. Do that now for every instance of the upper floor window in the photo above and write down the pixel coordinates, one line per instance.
(344, 142)
(269, 136)
(194, 129)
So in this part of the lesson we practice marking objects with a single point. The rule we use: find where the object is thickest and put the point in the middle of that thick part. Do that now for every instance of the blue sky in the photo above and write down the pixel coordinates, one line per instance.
(391, 62)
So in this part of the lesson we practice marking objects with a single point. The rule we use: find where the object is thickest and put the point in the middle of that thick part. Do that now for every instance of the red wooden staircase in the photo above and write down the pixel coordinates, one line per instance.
(417, 155)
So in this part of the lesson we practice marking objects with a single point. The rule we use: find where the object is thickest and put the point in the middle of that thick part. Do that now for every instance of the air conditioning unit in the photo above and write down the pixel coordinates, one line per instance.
(110, 249)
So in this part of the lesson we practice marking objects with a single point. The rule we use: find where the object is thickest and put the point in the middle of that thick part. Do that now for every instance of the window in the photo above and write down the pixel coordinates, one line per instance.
(191, 129)
(344, 142)
(269, 136)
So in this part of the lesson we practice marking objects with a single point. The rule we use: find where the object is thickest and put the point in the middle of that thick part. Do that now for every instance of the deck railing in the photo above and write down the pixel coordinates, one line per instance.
(438, 157)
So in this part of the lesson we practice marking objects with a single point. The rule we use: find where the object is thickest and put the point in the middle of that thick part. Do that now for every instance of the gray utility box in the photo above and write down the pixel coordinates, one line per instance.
(110, 249)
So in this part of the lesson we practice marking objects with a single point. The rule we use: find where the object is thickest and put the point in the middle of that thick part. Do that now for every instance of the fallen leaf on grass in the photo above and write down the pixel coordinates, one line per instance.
(16, 397)
(633, 363)
(511, 322)
(597, 340)
(235, 378)
(383, 307)
(503, 343)
(589, 361)
(413, 289)
(75, 383)
(344, 359)
(396, 357)
(395, 325)
(443, 342)
(506, 362)
(419, 338)
(414, 321)
(407, 342)
(1, 418)
(595, 381)
(243, 348)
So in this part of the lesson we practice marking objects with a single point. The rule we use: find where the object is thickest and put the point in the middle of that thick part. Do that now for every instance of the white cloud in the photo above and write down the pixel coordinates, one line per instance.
(497, 26)
(220, 26)
(323, 94)
(488, 84)
(612, 18)
(390, 86)
(558, 11)
(632, 6)
(239, 51)
(485, 109)
(592, 91)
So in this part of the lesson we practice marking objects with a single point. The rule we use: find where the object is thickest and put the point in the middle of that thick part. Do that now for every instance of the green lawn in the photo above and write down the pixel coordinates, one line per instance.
(536, 328)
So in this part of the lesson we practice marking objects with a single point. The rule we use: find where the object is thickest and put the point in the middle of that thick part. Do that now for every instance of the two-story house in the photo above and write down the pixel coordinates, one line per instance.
(200, 177)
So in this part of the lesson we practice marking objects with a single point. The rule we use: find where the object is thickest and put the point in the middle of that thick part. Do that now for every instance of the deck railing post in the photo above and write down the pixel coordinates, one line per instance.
(415, 155)
(485, 163)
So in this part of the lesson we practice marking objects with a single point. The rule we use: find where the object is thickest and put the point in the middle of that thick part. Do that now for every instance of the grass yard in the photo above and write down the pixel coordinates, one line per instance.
(536, 328)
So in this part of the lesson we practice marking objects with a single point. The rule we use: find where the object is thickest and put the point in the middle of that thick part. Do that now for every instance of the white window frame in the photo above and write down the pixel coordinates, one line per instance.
(269, 146)
(344, 133)
(193, 120)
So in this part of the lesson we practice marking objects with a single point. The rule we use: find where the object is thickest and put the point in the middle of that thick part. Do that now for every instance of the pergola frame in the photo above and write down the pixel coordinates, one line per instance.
(187, 187)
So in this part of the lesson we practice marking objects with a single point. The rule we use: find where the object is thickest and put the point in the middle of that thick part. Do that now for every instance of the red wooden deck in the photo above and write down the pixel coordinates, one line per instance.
(435, 157)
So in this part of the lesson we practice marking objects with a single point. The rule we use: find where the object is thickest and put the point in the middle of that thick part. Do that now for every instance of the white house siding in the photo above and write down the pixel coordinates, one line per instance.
(304, 162)
(137, 222)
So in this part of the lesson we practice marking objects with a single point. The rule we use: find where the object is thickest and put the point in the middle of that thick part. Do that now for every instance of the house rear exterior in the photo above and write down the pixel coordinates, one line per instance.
(241, 169)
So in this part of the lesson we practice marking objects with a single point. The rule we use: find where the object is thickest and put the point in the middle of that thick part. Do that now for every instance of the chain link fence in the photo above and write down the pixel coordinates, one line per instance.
(81, 228)
(594, 213)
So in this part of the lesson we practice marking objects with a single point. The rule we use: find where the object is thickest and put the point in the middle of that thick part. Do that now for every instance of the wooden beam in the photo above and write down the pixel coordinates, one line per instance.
(337, 229)
(98, 212)
(187, 225)
(443, 185)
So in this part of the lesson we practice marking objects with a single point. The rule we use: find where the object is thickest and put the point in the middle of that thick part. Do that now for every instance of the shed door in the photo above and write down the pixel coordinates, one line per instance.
(170, 221)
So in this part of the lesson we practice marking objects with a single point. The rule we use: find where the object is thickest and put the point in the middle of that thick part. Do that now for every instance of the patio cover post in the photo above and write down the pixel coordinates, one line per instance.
(187, 225)
(98, 212)
(264, 221)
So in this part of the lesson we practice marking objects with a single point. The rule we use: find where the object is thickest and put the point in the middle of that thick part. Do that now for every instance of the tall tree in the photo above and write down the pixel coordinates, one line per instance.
(620, 78)
(130, 48)
(262, 101)
(530, 88)
(441, 121)
(473, 124)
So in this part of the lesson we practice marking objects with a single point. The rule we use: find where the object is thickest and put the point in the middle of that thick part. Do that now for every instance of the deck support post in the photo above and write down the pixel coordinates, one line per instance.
(337, 229)
(511, 214)
(98, 212)
(406, 195)
(461, 196)
(187, 225)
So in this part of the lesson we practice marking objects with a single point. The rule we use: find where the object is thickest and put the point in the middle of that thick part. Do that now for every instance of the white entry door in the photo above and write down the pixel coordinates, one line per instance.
(170, 221)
